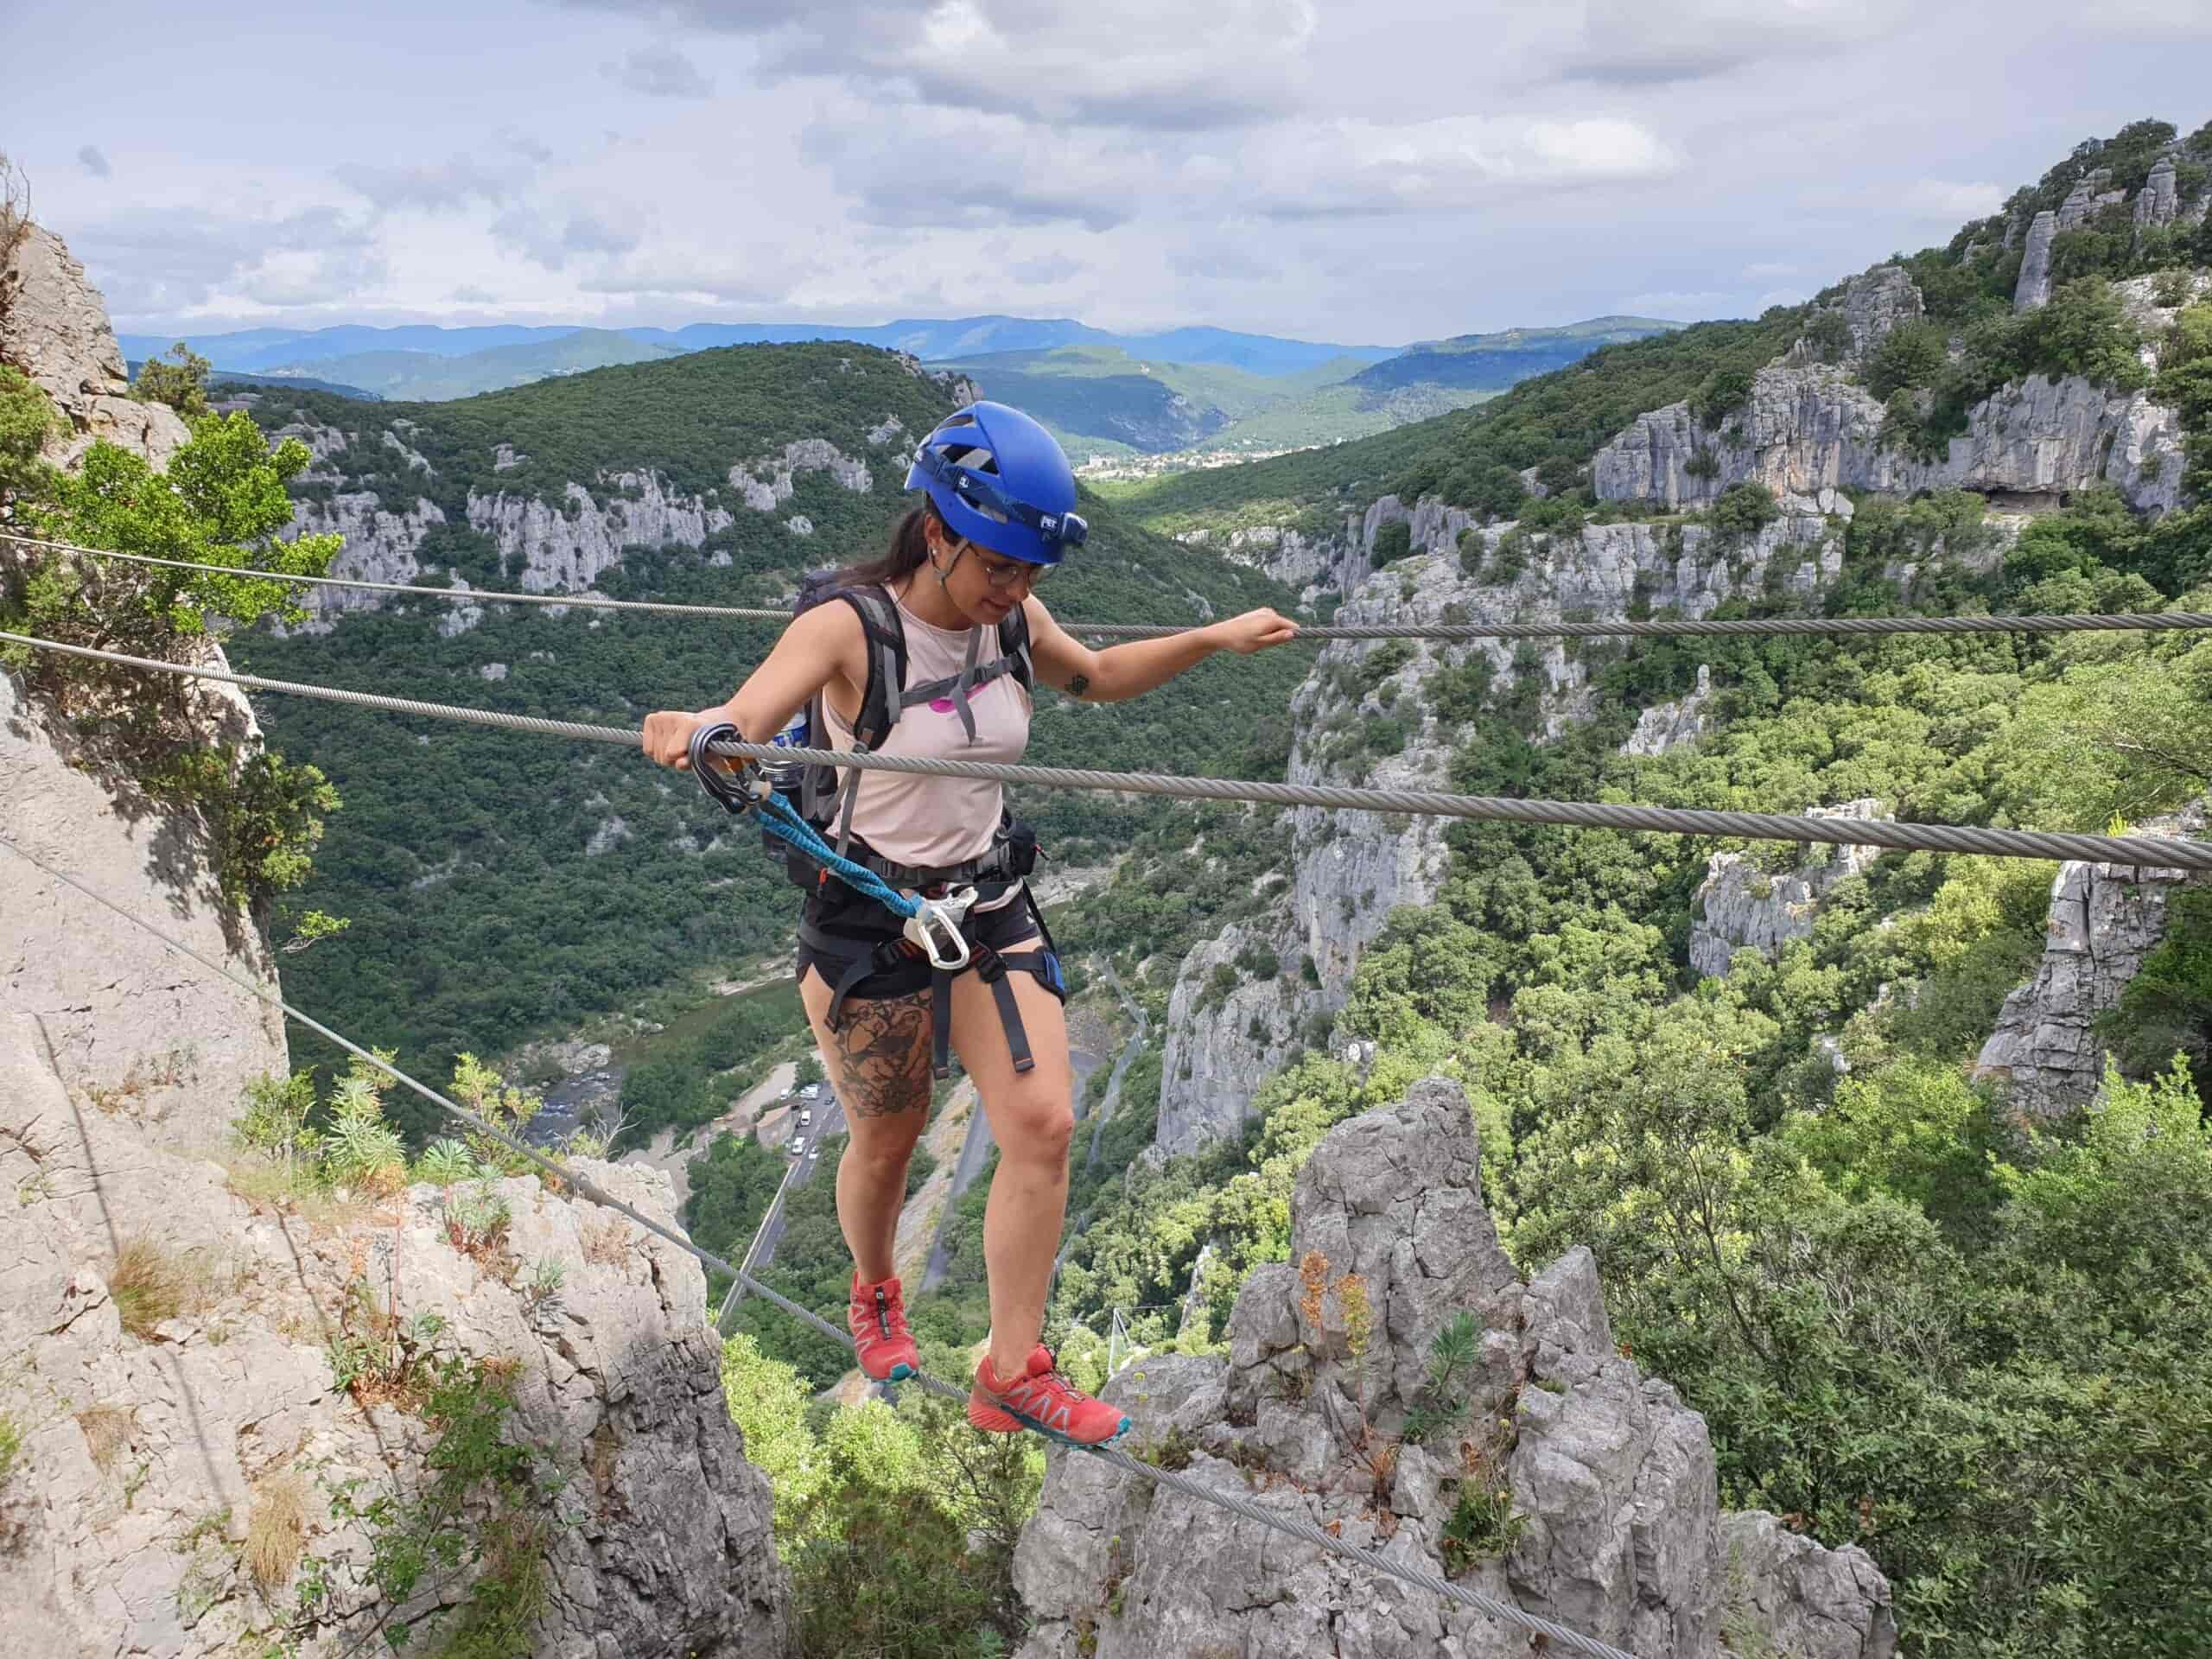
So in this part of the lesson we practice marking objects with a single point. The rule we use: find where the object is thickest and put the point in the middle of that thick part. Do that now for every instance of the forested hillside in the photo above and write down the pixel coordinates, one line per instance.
(499, 888)
(1838, 1127)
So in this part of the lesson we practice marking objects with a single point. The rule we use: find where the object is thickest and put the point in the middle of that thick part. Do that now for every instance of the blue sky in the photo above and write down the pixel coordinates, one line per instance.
(1370, 173)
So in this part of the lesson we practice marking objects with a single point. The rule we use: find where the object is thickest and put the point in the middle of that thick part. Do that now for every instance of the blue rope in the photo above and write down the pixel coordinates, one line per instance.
(777, 818)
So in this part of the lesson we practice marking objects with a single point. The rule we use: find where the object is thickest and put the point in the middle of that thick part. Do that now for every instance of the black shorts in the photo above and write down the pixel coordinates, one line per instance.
(1009, 927)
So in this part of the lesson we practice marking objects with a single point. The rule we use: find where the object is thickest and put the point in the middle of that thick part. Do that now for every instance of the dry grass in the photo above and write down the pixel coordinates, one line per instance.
(275, 1529)
(606, 1241)
(150, 1283)
(107, 1431)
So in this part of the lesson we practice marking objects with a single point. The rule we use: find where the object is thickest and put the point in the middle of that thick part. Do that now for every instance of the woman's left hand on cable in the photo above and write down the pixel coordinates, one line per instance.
(1254, 631)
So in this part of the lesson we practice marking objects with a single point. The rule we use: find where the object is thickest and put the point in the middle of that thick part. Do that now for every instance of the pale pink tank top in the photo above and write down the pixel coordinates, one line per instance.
(939, 821)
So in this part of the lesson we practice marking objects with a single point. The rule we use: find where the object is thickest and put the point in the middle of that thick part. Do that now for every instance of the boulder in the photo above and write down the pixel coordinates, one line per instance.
(1607, 1516)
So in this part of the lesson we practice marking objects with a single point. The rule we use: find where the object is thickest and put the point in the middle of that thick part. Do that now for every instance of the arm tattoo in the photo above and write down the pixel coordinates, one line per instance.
(883, 1056)
(1079, 684)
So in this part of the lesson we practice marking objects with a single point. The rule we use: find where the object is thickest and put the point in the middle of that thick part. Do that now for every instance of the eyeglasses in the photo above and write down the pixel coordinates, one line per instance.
(1004, 573)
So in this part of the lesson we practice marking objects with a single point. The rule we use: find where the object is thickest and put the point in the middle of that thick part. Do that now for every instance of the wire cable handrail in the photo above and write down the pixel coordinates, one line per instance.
(2151, 852)
(1464, 632)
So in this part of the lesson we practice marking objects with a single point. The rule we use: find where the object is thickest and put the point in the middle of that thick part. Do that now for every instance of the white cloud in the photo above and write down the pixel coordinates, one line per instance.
(1946, 202)
(1639, 43)
(1353, 167)
(93, 162)
(659, 72)
(1770, 268)
(463, 181)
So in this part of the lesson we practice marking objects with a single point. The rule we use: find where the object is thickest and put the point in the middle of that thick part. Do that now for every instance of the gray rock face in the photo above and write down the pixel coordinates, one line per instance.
(767, 482)
(1740, 906)
(146, 1461)
(2104, 918)
(1667, 726)
(1784, 1590)
(135, 1030)
(565, 548)
(2160, 203)
(1352, 869)
(1810, 432)
(1612, 1478)
(379, 545)
(2034, 287)
(53, 326)
(1872, 304)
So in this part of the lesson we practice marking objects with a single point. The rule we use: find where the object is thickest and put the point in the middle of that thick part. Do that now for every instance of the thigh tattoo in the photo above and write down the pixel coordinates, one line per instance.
(883, 1056)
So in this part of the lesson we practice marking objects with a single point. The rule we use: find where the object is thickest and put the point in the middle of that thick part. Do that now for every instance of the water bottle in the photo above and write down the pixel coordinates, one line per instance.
(784, 775)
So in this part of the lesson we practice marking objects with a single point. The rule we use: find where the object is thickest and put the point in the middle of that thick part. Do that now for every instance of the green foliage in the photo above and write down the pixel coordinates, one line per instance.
(471, 1539)
(1913, 354)
(1745, 509)
(217, 508)
(2166, 1009)
(1483, 1526)
(1720, 395)
(732, 1183)
(1393, 542)
(27, 420)
(182, 384)
(686, 1084)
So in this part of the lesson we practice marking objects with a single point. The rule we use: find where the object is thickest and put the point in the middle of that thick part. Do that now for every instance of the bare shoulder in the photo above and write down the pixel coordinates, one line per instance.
(831, 630)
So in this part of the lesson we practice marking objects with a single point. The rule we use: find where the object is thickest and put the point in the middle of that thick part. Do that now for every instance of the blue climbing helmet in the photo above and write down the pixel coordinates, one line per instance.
(1000, 480)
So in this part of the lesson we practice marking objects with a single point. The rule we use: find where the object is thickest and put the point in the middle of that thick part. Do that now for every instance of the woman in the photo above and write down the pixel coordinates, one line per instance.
(955, 598)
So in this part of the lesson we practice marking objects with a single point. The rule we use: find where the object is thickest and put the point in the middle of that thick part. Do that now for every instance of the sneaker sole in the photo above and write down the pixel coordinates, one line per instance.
(1003, 1420)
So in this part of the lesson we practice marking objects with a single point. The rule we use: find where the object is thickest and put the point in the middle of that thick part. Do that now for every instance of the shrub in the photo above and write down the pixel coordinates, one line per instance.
(27, 420)
(1745, 509)
(1722, 394)
(1828, 335)
(1914, 354)
(182, 385)
(1393, 542)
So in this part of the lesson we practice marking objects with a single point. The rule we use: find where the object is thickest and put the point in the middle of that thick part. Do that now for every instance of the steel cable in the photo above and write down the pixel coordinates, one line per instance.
(2153, 852)
(1461, 632)
(1295, 1526)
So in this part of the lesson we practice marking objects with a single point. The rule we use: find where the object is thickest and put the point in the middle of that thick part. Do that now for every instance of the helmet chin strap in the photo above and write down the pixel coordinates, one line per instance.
(944, 571)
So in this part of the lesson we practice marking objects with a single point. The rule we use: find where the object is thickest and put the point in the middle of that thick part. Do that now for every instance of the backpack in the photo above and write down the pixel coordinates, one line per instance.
(818, 793)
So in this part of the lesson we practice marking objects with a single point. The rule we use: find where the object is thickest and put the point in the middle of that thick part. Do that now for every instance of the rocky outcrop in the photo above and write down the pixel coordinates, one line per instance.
(564, 548)
(767, 482)
(2105, 919)
(1810, 431)
(1667, 726)
(1784, 1594)
(1352, 869)
(135, 1033)
(2033, 288)
(53, 326)
(153, 1458)
(1602, 1482)
(1740, 906)
(379, 545)
(1871, 305)
(2159, 203)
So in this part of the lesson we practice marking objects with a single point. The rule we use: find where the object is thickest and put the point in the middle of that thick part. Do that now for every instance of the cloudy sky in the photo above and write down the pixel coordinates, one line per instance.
(1367, 171)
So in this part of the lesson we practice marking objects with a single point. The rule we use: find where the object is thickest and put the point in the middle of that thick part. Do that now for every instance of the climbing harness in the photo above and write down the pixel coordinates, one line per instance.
(936, 935)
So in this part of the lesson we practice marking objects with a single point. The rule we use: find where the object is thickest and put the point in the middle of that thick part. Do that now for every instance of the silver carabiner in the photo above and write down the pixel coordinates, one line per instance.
(936, 927)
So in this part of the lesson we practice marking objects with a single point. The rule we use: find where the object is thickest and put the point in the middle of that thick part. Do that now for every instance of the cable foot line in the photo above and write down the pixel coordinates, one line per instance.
(1293, 1526)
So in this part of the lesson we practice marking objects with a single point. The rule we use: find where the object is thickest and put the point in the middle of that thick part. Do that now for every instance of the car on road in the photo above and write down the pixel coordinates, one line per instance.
(806, 1117)
(798, 1145)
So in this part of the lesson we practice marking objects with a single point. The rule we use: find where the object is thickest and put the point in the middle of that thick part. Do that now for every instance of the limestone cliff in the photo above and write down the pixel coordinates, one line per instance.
(2105, 919)
(1744, 904)
(1356, 725)
(53, 326)
(160, 1463)
(1599, 1482)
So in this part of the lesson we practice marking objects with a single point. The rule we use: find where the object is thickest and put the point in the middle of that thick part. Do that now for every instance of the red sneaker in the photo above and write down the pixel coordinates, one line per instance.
(1043, 1400)
(877, 1318)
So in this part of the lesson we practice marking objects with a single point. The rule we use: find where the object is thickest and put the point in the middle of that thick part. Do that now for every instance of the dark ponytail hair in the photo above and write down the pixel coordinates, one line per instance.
(909, 552)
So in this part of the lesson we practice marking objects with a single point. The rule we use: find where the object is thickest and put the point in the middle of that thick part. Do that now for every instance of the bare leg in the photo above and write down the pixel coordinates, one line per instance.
(1033, 1117)
(879, 1063)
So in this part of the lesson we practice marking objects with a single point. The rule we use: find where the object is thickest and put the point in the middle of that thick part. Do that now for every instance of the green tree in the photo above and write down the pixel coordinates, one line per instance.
(27, 420)
(182, 383)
